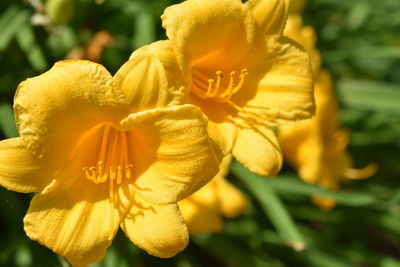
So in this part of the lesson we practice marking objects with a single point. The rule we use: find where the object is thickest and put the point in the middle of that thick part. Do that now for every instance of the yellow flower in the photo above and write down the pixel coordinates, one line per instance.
(105, 152)
(204, 209)
(317, 147)
(239, 69)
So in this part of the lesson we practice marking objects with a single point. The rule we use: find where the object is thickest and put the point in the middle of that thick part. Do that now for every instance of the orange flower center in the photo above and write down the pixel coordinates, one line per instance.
(113, 159)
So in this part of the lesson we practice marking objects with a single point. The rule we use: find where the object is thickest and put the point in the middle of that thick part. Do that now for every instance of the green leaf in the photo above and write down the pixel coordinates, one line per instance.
(294, 185)
(7, 122)
(144, 27)
(227, 251)
(366, 94)
(27, 41)
(11, 22)
(272, 205)
(320, 258)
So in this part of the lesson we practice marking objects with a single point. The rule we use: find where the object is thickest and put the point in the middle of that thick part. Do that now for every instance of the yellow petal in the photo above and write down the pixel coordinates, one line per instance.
(174, 154)
(20, 170)
(309, 160)
(232, 202)
(280, 83)
(224, 167)
(270, 14)
(221, 31)
(305, 36)
(54, 109)
(201, 210)
(258, 151)
(327, 106)
(151, 78)
(158, 229)
(293, 136)
(73, 216)
(221, 130)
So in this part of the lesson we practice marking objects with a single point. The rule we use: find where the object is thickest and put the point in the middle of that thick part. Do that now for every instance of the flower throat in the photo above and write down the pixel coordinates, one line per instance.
(251, 113)
(113, 160)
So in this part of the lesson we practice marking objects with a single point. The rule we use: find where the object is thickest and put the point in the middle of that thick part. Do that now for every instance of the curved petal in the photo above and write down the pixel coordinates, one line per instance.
(305, 36)
(173, 154)
(53, 110)
(73, 216)
(309, 160)
(232, 202)
(293, 136)
(20, 170)
(221, 130)
(158, 229)
(258, 151)
(223, 30)
(201, 210)
(327, 117)
(270, 15)
(151, 78)
(280, 82)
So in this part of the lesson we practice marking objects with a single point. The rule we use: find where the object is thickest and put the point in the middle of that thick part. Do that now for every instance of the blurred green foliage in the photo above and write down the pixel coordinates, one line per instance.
(360, 44)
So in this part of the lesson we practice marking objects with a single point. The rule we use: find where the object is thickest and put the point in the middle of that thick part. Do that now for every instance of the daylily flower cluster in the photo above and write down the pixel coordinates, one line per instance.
(104, 152)
(317, 147)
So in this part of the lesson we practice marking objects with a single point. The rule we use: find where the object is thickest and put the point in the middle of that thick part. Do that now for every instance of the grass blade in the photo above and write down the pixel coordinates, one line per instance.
(272, 205)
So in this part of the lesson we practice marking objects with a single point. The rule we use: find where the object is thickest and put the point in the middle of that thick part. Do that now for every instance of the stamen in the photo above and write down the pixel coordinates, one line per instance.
(255, 114)
(209, 89)
(214, 89)
(113, 163)
(220, 75)
(128, 171)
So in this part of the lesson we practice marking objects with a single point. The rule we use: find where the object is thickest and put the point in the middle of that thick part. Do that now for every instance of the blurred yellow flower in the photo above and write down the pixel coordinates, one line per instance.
(204, 209)
(317, 147)
(105, 152)
(241, 71)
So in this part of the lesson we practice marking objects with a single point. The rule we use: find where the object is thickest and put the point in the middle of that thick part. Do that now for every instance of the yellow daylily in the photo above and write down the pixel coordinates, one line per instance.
(241, 71)
(204, 209)
(104, 152)
(317, 147)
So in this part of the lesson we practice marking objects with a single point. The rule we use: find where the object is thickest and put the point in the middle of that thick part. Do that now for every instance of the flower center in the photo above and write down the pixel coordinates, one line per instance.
(215, 90)
(113, 160)
(251, 114)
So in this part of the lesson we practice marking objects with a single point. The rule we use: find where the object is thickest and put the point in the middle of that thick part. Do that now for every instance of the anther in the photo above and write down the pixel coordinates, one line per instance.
(210, 85)
(128, 171)
(119, 174)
